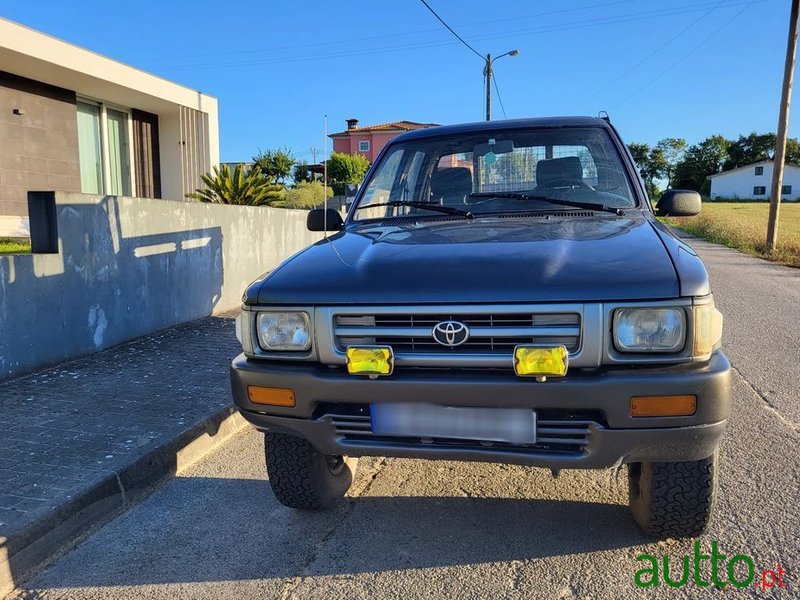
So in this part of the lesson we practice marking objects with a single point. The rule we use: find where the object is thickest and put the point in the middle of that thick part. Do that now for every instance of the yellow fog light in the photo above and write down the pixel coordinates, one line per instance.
(370, 360)
(541, 362)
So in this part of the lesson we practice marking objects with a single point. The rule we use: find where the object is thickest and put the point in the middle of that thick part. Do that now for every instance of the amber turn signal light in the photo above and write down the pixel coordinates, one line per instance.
(271, 396)
(663, 406)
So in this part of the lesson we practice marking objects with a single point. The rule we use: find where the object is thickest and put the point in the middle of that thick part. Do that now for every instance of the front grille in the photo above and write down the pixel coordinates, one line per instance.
(490, 333)
(554, 435)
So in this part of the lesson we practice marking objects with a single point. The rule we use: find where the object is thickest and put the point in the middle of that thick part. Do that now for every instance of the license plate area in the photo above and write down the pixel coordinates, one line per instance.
(509, 425)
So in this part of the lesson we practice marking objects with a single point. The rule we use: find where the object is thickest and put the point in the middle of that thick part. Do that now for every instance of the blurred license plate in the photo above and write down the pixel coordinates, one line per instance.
(512, 425)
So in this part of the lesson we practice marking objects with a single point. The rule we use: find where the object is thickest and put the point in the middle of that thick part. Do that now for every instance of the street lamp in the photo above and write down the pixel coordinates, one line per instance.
(487, 71)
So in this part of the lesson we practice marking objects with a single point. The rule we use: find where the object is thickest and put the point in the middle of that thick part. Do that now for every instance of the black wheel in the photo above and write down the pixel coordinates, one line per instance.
(673, 500)
(301, 477)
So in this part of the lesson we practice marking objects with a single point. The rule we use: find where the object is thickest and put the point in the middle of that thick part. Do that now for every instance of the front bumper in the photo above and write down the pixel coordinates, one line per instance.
(610, 435)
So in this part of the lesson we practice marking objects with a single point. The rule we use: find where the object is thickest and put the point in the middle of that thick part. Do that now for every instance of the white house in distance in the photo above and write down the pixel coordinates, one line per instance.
(753, 182)
(73, 120)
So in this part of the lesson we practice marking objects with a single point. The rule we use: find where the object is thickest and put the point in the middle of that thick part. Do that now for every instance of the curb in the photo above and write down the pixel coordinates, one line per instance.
(39, 544)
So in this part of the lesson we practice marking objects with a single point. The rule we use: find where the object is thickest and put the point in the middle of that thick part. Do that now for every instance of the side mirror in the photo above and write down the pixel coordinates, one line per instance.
(316, 220)
(679, 203)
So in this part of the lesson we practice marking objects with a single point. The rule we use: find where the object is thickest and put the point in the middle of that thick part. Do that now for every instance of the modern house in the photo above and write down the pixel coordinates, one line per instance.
(753, 182)
(75, 121)
(370, 140)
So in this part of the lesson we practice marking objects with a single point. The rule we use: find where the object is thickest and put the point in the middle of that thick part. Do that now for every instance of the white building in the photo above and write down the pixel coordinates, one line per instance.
(75, 121)
(753, 182)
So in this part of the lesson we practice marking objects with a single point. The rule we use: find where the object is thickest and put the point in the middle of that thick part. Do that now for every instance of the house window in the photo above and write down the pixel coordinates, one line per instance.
(786, 189)
(90, 150)
(104, 149)
(759, 190)
(363, 146)
(759, 170)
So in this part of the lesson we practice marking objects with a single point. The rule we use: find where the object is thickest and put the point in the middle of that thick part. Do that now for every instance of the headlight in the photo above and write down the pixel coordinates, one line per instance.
(707, 330)
(649, 329)
(287, 331)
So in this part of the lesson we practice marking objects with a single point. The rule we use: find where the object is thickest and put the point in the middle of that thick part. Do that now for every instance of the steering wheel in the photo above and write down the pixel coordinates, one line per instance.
(570, 183)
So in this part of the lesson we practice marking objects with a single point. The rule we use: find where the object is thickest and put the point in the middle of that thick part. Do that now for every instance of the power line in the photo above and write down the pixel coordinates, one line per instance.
(499, 99)
(420, 45)
(451, 30)
(151, 59)
(685, 56)
(669, 41)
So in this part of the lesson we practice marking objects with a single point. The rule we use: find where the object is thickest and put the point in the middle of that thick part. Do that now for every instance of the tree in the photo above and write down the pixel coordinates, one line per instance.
(671, 152)
(346, 168)
(651, 163)
(301, 173)
(276, 165)
(749, 149)
(699, 161)
(240, 187)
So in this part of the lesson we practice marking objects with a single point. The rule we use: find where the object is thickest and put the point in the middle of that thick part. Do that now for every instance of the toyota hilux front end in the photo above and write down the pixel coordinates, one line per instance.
(498, 292)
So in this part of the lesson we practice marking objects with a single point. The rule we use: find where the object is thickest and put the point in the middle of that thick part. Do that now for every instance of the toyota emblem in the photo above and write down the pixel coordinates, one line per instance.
(450, 333)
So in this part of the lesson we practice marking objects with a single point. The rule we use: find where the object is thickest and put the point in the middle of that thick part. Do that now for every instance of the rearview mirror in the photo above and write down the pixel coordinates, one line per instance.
(496, 147)
(316, 220)
(679, 203)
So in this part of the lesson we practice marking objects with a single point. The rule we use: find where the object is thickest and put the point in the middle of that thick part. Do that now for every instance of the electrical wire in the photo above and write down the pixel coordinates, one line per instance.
(588, 23)
(499, 99)
(702, 43)
(451, 30)
(669, 41)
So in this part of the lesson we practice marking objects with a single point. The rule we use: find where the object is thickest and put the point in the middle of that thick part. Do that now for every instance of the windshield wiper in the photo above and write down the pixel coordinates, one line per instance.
(448, 210)
(558, 201)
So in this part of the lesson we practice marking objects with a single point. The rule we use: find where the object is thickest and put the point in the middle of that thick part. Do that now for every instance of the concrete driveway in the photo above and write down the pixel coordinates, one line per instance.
(415, 529)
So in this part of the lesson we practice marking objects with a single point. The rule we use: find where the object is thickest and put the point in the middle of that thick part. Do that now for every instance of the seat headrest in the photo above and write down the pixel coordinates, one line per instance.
(446, 182)
(568, 168)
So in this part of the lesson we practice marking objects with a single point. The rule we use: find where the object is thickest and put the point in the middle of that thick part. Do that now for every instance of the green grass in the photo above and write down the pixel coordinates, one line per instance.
(743, 225)
(13, 246)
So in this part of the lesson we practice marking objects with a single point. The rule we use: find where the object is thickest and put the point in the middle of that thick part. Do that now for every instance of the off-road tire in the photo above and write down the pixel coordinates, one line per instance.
(303, 478)
(673, 499)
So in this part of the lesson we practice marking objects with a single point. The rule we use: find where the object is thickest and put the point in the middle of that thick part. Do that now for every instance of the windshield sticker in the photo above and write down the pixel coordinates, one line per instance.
(490, 158)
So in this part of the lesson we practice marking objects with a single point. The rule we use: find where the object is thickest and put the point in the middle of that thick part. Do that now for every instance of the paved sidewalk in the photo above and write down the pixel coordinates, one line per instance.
(84, 439)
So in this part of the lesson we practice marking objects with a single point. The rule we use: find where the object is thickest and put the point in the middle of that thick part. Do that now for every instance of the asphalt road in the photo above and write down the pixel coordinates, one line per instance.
(415, 529)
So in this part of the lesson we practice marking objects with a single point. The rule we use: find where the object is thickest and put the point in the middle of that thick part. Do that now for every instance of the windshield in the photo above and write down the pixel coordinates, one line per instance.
(497, 172)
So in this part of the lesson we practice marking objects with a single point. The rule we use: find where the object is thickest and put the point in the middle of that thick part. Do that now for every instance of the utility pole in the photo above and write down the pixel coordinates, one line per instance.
(783, 125)
(313, 154)
(488, 71)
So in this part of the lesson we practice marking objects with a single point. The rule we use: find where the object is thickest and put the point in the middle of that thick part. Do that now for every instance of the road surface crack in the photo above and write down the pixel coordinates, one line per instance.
(769, 405)
(342, 513)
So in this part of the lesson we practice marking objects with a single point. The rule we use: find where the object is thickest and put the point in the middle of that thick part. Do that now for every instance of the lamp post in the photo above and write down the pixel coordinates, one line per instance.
(487, 71)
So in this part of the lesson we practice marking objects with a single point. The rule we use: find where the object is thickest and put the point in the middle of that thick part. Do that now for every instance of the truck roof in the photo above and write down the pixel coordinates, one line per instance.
(477, 127)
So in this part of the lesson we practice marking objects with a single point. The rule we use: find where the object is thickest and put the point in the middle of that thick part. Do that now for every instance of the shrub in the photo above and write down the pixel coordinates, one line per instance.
(306, 194)
(346, 168)
(240, 187)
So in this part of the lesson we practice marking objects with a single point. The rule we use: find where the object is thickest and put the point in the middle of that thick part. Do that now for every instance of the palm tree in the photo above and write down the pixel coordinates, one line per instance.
(240, 187)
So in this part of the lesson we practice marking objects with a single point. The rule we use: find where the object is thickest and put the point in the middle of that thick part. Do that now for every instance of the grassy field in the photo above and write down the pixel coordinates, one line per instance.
(743, 225)
(8, 246)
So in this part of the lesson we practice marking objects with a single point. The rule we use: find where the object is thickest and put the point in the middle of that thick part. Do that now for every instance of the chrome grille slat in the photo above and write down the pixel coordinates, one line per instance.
(493, 333)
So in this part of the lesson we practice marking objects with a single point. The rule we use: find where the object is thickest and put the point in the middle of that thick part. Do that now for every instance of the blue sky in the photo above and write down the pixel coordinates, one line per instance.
(681, 68)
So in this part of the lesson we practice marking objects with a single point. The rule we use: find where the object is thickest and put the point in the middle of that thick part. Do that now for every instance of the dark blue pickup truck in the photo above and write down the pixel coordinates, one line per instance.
(502, 292)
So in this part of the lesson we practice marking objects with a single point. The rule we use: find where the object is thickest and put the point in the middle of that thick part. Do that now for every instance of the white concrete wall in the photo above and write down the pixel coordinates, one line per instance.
(740, 182)
(130, 266)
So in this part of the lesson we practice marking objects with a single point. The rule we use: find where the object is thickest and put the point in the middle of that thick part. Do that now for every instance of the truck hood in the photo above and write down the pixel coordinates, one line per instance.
(485, 260)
